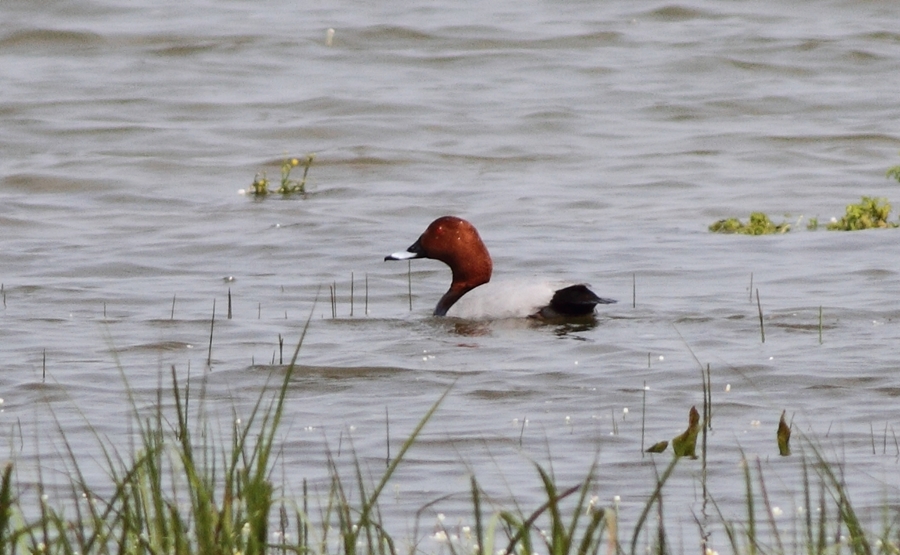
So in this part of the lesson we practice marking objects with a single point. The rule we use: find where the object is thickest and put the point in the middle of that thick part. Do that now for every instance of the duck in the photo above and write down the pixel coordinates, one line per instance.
(455, 242)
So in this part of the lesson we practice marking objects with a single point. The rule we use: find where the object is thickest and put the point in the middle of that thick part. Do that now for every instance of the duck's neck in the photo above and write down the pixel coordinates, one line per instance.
(449, 298)
(458, 288)
(468, 273)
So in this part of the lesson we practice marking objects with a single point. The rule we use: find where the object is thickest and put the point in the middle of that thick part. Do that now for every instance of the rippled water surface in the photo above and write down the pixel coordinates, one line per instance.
(587, 140)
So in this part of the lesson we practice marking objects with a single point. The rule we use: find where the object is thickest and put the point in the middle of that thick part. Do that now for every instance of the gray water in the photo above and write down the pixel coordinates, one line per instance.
(591, 141)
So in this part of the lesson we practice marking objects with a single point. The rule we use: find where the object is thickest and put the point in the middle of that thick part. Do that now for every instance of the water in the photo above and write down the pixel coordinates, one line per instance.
(585, 140)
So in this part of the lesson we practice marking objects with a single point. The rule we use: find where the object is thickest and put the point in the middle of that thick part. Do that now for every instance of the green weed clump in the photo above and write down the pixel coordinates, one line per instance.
(869, 213)
(260, 185)
(759, 224)
(894, 173)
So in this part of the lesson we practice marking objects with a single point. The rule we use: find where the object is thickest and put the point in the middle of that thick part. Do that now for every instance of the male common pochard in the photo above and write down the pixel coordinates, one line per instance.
(456, 243)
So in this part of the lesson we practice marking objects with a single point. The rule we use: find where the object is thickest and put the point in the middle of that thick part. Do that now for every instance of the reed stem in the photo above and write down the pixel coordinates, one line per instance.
(409, 282)
(820, 324)
(331, 292)
(643, 415)
(762, 329)
(212, 323)
(387, 428)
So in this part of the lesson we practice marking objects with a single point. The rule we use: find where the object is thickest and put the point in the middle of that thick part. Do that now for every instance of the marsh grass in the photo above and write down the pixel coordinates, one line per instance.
(173, 493)
(176, 494)
(826, 524)
(180, 491)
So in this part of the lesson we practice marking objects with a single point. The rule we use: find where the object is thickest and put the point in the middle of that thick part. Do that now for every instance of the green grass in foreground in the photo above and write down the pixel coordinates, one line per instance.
(177, 494)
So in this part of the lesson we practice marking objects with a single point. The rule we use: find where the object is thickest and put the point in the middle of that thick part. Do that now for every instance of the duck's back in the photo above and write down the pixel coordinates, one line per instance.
(496, 300)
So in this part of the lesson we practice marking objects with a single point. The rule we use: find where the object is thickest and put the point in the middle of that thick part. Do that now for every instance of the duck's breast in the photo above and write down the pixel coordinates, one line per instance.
(504, 299)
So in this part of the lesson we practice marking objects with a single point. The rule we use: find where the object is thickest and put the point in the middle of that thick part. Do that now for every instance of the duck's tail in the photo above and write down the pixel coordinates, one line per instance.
(574, 300)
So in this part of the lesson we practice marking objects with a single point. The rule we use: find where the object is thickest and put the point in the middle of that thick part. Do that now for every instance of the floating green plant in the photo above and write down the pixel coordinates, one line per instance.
(869, 213)
(783, 435)
(894, 172)
(812, 224)
(685, 444)
(658, 447)
(260, 185)
(759, 224)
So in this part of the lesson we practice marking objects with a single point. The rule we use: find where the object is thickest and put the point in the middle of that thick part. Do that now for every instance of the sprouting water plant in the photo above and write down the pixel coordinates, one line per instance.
(291, 186)
(260, 185)
(894, 172)
(869, 213)
(685, 444)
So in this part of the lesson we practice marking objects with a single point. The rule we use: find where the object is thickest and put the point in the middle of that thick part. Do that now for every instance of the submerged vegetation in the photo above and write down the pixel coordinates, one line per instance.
(759, 224)
(894, 173)
(685, 444)
(783, 436)
(868, 213)
(260, 185)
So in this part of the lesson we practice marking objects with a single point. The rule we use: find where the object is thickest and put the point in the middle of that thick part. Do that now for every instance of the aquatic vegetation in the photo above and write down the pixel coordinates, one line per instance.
(229, 504)
(759, 224)
(685, 444)
(226, 501)
(180, 490)
(783, 436)
(867, 214)
(658, 447)
(894, 172)
(260, 185)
